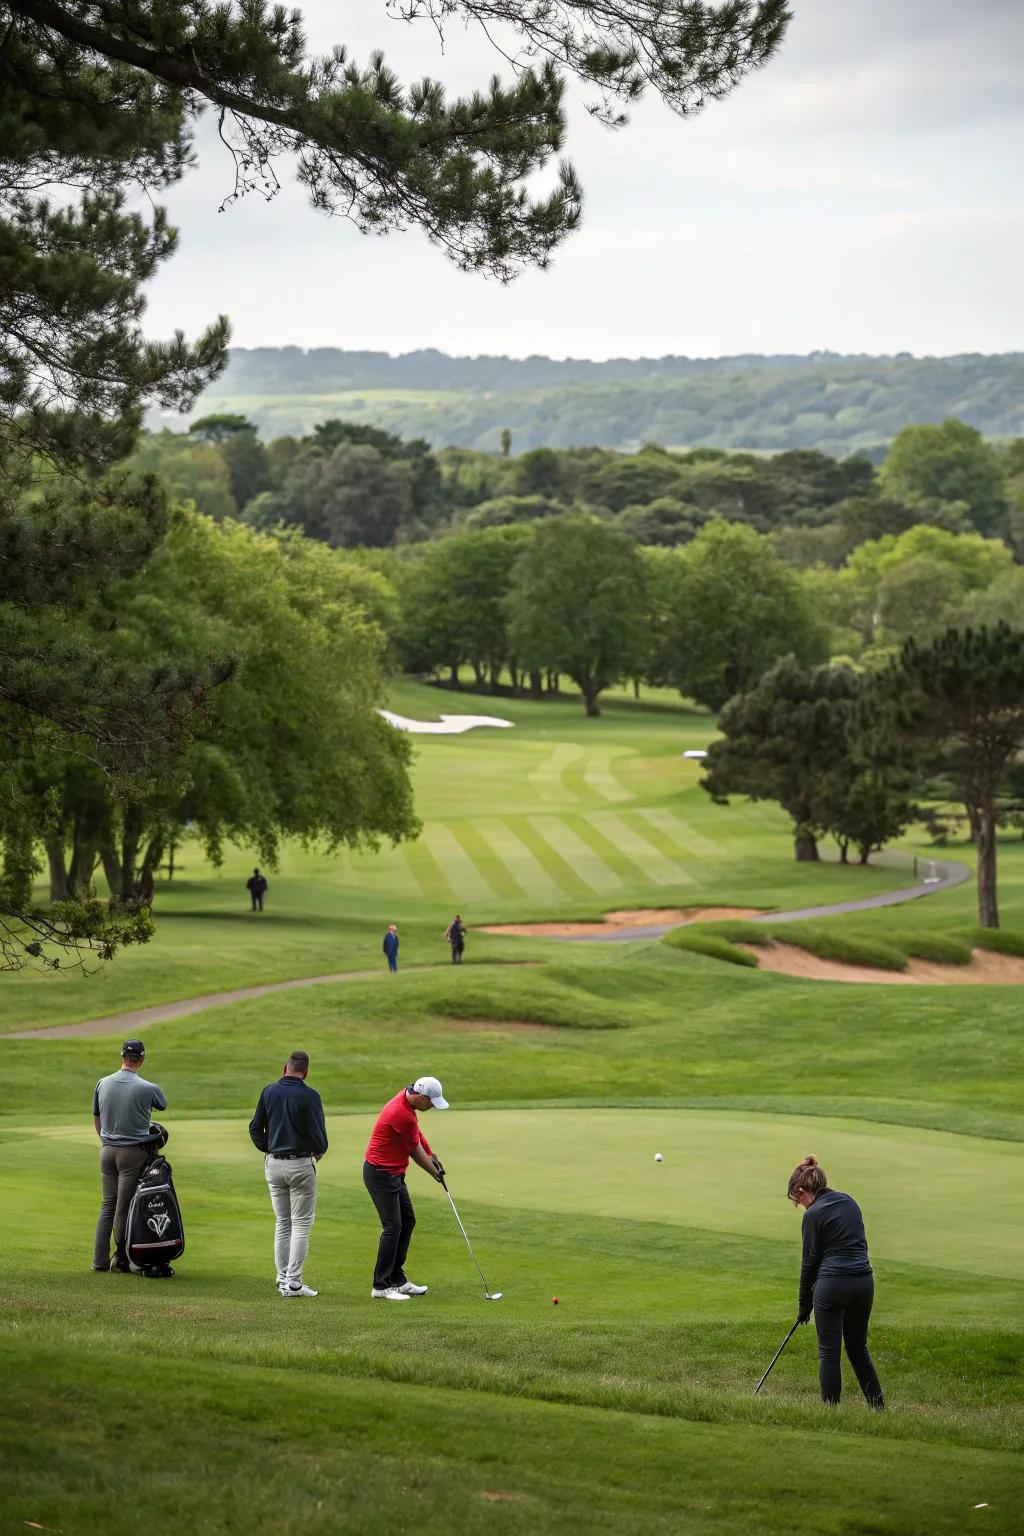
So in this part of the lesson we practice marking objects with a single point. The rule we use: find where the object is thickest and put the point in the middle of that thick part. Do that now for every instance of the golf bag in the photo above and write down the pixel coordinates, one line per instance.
(154, 1235)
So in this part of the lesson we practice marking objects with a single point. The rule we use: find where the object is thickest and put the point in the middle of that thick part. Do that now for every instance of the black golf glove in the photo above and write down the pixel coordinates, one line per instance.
(803, 1317)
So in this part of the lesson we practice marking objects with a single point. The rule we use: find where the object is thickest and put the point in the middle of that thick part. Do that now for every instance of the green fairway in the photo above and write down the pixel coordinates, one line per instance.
(560, 816)
(628, 1408)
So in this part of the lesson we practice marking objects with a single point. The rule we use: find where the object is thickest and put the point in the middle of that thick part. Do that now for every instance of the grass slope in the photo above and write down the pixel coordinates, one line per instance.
(628, 1408)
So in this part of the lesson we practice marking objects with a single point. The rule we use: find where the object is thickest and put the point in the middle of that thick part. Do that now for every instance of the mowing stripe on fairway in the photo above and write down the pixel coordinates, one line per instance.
(631, 872)
(527, 870)
(599, 776)
(462, 874)
(486, 858)
(590, 776)
(547, 779)
(641, 848)
(578, 853)
(559, 869)
(680, 834)
(426, 871)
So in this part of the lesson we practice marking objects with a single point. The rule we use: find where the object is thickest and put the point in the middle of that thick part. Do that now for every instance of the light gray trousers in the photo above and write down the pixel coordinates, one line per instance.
(292, 1184)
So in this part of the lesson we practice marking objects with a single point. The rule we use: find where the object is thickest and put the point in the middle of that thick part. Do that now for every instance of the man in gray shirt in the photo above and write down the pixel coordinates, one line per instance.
(121, 1108)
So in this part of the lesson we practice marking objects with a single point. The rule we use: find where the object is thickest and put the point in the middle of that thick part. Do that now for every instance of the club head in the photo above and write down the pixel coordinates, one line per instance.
(493, 1296)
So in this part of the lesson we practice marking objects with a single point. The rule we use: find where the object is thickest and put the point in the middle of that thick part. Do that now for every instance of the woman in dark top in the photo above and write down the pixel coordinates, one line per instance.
(835, 1281)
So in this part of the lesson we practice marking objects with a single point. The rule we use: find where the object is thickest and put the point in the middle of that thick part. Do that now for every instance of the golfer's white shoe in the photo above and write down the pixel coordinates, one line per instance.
(388, 1295)
(297, 1290)
(408, 1289)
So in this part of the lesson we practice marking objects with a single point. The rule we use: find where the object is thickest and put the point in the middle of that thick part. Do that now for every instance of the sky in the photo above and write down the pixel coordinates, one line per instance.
(860, 193)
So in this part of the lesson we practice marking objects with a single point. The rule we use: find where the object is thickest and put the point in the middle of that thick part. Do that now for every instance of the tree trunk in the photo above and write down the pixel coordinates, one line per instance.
(495, 677)
(805, 846)
(60, 889)
(844, 850)
(865, 851)
(988, 908)
(636, 687)
(131, 836)
(111, 868)
(146, 880)
(479, 676)
(453, 679)
(590, 692)
(536, 685)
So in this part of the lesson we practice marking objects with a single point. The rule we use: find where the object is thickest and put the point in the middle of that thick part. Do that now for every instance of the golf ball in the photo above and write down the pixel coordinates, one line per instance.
(554, 1301)
(658, 1157)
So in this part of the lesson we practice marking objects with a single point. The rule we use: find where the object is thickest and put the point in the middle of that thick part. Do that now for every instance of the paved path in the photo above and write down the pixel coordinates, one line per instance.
(141, 1018)
(948, 874)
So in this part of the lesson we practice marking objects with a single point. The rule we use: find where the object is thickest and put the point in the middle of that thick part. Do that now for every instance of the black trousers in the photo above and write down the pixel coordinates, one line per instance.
(842, 1308)
(257, 900)
(457, 953)
(397, 1219)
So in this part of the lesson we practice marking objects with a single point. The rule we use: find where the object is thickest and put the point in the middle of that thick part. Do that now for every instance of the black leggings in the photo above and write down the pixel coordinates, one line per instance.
(842, 1308)
(397, 1219)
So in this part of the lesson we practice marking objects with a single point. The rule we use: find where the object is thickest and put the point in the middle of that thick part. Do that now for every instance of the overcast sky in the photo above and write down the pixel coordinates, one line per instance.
(861, 193)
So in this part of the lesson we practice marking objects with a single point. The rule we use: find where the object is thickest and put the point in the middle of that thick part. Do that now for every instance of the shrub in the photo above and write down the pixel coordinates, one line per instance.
(932, 946)
(847, 948)
(710, 944)
(1001, 940)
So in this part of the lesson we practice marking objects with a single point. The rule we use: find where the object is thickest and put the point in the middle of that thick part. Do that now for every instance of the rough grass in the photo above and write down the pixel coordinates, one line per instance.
(1000, 940)
(714, 945)
(838, 944)
(937, 947)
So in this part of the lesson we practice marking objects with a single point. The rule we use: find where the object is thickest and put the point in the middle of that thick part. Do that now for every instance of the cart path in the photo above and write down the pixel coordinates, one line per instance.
(141, 1018)
(949, 873)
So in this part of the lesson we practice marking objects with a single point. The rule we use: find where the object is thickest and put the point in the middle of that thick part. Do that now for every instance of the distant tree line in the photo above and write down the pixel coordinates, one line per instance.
(837, 404)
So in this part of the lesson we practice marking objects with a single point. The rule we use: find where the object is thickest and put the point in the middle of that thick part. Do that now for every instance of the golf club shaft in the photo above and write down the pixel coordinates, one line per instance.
(462, 1229)
(778, 1352)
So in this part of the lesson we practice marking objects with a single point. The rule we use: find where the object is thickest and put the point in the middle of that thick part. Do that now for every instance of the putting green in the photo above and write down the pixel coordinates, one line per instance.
(929, 1198)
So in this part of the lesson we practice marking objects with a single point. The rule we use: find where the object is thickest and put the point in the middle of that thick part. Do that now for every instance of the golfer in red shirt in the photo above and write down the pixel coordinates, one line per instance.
(396, 1138)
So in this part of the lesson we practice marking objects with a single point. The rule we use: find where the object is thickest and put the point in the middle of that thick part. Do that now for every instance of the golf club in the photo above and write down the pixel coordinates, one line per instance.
(488, 1295)
(778, 1352)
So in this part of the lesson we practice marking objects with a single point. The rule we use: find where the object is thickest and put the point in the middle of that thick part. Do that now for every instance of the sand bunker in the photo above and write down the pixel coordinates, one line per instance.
(986, 969)
(447, 725)
(622, 922)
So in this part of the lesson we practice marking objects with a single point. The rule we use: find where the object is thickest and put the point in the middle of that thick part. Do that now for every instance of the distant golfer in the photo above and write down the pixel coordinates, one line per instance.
(391, 947)
(121, 1107)
(256, 885)
(396, 1137)
(288, 1127)
(455, 933)
(835, 1281)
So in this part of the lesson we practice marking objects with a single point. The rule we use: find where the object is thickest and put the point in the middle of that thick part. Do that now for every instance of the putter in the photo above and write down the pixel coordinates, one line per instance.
(778, 1352)
(488, 1294)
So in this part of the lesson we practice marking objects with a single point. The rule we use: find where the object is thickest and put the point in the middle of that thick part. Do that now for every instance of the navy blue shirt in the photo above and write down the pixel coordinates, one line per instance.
(289, 1118)
(834, 1242)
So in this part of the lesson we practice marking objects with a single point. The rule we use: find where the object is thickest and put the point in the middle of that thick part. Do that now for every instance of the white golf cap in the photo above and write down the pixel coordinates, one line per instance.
(431, 1089)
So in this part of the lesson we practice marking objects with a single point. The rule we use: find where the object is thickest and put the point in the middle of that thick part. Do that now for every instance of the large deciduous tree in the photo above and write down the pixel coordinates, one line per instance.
(293, 748)
(736, 610)
(578, 604)
(961, 699)
(948, 463)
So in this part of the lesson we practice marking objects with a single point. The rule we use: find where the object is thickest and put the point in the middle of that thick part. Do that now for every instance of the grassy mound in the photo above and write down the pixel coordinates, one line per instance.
(737, 931)
(937, 947)
(713, 945)
(846, 948)
(1000, 940)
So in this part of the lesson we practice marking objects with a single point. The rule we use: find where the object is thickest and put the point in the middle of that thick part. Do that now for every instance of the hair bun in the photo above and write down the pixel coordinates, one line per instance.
(809, 1162)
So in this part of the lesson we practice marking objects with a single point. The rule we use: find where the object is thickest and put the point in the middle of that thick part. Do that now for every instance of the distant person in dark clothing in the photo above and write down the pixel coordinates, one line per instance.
(455, 933)
(256, 885)
(391, 947)
(836, 1281)
(122, 1105)
(288, 1128)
